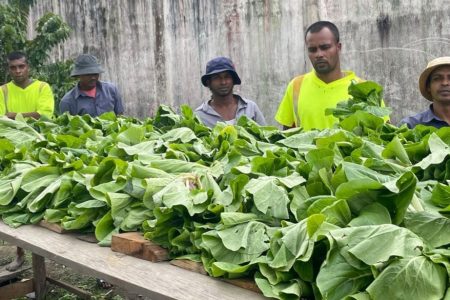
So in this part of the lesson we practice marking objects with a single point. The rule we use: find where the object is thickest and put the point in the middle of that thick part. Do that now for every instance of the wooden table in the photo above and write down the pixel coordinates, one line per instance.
(154, 280)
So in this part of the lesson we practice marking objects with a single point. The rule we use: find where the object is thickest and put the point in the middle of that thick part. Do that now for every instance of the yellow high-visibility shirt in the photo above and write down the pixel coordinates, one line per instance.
(37, 97)
(314, 97)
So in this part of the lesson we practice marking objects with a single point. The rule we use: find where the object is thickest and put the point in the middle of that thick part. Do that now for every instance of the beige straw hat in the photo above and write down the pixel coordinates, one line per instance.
(432, 65)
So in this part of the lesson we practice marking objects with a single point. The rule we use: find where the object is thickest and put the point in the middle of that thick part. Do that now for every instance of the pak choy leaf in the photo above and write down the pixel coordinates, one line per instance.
(237, 244)
(376, 243)
(364, 96)
(439, 151)
(187, 191)
(410, 278)
(338, 278)
(432, 227)
(269, 197)
(296, 242)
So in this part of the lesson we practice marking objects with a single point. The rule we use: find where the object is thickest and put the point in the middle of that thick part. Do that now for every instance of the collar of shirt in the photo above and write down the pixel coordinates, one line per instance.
(78, 92)
(429, 116)
(242, 104)
(349, 75)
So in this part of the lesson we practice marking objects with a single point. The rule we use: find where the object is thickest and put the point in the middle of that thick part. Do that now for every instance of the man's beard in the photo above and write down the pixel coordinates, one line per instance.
(323, 68)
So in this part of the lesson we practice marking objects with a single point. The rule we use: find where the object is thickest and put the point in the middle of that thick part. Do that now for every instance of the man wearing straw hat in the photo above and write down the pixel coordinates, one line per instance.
(91, 96)
(434, 85)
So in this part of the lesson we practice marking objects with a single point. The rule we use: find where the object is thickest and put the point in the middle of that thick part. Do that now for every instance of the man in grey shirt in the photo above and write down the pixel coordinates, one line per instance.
(224, 106)
(91, 96)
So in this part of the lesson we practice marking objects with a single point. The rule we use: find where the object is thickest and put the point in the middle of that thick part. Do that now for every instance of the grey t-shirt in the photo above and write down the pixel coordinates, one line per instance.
(246, 107)
(107, 99)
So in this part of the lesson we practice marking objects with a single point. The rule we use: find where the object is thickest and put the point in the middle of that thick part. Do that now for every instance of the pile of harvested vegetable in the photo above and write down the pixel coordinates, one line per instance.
(355, 212)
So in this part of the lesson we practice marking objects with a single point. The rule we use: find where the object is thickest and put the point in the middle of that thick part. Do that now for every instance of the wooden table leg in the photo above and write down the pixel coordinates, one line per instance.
(40, 276)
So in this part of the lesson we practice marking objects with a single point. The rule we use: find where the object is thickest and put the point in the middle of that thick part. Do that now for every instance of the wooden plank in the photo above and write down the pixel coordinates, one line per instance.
(87, 237)
(73, 289)
(53, 227)
(39, 276)
(8, 275)
(134, 244)
(16, 289)
(156, 281)
(245, 283)
(189, 265)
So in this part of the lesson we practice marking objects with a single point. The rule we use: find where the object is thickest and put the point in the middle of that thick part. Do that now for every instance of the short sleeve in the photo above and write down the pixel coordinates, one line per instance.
(118, 105)
(259, 117)
(46, 102)
(285, 112)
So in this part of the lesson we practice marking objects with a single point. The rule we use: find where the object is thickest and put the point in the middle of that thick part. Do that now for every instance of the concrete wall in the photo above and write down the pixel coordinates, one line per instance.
(156, 50)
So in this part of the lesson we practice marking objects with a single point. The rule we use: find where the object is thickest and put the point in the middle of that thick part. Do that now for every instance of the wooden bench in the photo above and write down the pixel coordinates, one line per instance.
(154, 280)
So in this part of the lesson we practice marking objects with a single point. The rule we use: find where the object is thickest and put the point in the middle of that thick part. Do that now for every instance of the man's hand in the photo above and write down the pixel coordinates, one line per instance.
(33, 114)
(11, 115)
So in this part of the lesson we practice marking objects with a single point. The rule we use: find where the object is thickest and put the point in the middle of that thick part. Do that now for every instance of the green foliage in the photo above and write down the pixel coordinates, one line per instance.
(334, 214)
(51, 30)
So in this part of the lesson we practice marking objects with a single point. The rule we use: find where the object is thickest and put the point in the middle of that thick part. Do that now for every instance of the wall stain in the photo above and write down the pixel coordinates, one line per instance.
(159, 53)
(384, 27)
(233, 25)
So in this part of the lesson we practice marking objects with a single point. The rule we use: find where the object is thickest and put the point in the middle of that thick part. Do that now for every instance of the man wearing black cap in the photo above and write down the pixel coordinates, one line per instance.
(434, 85)
(224, 106)
(91, 96)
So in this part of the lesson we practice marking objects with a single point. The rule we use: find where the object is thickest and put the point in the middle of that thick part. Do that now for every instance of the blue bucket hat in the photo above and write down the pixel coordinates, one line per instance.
(86, 64)
(218, 65)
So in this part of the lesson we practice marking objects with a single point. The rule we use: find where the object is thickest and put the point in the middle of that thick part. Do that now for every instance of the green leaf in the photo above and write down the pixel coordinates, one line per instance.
(378, 243)
(9, 189)
(431, 227)
(37, 202)
(145, 147)
(237, 244)
(183, 135)
(441, 195)
(269, 197)
(290, 290)
(54, 215)
(235, 218)
(132, 136)
(39, 177)
(410, 278)
(438, 152)
(338, 278)
(373, 214)
(395, 149)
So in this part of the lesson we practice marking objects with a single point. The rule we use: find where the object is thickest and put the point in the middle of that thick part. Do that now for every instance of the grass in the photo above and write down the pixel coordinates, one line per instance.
(63, 273)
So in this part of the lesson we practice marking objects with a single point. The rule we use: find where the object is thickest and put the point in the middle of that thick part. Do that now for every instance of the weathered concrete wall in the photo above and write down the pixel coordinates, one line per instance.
(156, 50)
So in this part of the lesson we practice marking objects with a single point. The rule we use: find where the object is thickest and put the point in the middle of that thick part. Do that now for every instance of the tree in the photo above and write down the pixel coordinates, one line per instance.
(51, 30)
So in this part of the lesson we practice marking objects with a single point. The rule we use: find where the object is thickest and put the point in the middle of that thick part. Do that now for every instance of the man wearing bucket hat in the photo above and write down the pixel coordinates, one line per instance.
(434, 85)
(224, 105)
(91, 96)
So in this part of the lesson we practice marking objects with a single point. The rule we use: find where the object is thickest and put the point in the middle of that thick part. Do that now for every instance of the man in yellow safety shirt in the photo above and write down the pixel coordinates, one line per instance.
(308, 96)
(31, 98)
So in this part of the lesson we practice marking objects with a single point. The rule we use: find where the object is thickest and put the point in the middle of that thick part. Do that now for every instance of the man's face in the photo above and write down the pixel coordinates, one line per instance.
(88, 81)
(439, 87)
(19, 70)
(221, 84)
(323, 51)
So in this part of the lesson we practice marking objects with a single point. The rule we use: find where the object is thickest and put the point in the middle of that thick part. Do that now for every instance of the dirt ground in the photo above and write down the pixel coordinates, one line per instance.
(63, 273)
